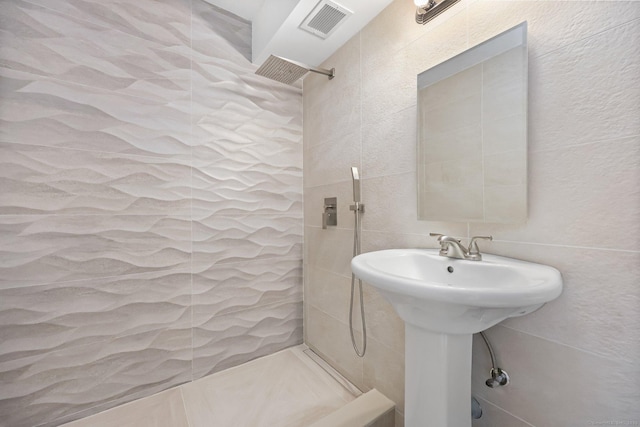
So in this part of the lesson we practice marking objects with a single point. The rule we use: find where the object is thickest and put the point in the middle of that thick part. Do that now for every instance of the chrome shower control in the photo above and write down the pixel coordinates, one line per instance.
(330, 212)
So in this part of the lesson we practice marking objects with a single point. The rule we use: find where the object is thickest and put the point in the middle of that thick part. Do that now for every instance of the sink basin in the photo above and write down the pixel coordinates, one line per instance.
(444, 301)
(457, 296)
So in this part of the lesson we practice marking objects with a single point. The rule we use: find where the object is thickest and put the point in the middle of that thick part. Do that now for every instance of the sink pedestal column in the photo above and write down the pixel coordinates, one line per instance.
(437, 378)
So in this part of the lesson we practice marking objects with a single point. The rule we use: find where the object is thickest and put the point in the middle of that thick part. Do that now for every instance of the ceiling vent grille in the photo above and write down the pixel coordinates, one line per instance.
(325, 18)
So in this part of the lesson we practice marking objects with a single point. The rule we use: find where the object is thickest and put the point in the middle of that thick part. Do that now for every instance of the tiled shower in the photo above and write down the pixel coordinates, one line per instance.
(151, 203)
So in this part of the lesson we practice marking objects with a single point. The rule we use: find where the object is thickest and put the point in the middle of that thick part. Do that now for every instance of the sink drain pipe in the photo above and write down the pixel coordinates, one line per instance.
(476, 409)
(499, 377)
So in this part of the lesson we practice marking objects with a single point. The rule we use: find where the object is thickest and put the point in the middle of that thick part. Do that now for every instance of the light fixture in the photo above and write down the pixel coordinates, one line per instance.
(426, 10)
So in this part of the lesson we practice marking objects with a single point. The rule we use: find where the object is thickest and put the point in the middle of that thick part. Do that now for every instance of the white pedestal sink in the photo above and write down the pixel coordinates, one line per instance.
(443, 302)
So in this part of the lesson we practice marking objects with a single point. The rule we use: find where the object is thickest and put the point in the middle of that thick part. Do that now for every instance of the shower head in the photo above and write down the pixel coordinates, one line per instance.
(354, 173)
(286, 71)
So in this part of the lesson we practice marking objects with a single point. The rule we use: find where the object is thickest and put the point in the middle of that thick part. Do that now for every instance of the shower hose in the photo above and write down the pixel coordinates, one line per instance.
(356, 251)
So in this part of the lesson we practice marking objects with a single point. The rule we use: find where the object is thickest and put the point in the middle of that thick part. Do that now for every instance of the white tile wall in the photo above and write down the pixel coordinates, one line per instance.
(574, 362)
(150, 204)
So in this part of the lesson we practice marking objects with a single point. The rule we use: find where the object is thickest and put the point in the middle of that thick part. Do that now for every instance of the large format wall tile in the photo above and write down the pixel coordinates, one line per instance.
(328, 114)
(46, 249)
(228, 287)
(593, 185)
(330, 292)
(548, 20)
(247, 149)
(584, 92)
(49, 43)
(384, 371)
(575, 388)
(38, 179)
(222, 239)
(43, 111)
(331, 162)
(220, 36)
(123, 126)
(166, 23)
(219, 191)
(388, 146)
(61, 383)
(240, 110)
(52, 317)
(330, 338)
(389, 83)
(228, 340)
(594, 281)
(249, 177)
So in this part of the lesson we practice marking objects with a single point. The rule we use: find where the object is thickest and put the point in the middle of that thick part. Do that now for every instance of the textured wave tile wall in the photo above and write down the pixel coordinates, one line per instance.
(150, 203)
(224, 341)
(40, 180)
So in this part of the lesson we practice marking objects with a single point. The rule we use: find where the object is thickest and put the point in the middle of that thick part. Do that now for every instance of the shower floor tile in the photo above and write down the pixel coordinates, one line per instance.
(164, 409)
(285, 389)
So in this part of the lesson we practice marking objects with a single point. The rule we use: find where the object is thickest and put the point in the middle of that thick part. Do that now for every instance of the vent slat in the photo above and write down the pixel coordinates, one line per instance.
(325, 18)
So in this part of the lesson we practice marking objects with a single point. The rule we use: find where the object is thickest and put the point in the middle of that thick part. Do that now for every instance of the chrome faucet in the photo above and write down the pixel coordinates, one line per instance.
(452, 247)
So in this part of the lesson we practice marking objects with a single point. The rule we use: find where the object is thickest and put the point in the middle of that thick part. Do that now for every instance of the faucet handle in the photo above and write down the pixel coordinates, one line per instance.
(438, 235)
(473, 245)
(442, 237)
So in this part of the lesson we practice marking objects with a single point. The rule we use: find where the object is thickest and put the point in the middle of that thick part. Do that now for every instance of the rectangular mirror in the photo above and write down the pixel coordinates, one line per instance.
(472, 134)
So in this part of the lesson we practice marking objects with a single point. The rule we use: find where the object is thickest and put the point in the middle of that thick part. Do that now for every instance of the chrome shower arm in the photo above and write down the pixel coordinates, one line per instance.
(331, 73)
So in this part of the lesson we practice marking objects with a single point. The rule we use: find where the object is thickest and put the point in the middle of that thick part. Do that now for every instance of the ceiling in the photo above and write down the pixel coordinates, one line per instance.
(276, 27)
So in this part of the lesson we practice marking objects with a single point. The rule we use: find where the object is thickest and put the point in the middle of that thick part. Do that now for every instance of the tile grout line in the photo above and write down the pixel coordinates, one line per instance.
(265, 305)
(184, 406)
(594, 248)
(581, 350)
(587, 143)
(363, 178)
(174, 159)
(44, 77)
(557, 245)
(192, 185)
(288, 300)
(180, 270)
(590, 36)
(506, 412)
(361, 184)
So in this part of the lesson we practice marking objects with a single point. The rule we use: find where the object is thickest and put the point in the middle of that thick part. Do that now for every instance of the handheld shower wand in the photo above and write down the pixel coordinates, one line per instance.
(357, 209)
(356, 184)
(357, 206)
